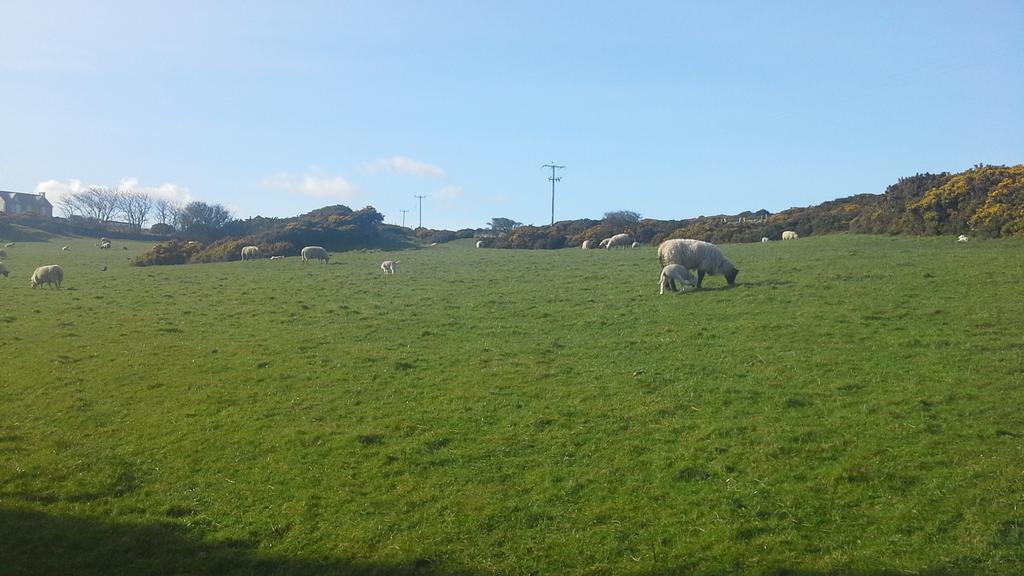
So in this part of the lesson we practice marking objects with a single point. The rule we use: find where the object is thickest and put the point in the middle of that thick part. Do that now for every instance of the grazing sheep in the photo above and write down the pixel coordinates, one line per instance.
(52, 275)
(622, 240)
(704, 257)
(277, 257)
(604, 243)
(764, 239)
(636, 244)
(9, 245)
(671, 274)
(389, 266)
(790, 235)
(3, 270)
(962, 238)
(104, 244)
(479, 243)
(250, 252)
(588, 244)
(315, 253)
(65, 248)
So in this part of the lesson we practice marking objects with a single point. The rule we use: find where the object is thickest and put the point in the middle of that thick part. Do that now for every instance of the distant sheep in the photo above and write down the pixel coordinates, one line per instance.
(636, 244)
(704, 257)
(3, 270)
(588, 244)
(604, 243)
(618, 240)
(52, 275)
(277, 257)
(104, 244)
(389, 266)
(790, 235)
(65, 248)
(674, 273)
(962, 238)
(479, 243)
(250, 252)
(764, 239)
(9, 245)
(315, 253)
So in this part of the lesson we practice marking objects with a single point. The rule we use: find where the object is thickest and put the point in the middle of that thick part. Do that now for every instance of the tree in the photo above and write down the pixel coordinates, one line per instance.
(203, 220)
(623, 221)
(97, 202)
(503, 225)
(166, 211)
(135, 207)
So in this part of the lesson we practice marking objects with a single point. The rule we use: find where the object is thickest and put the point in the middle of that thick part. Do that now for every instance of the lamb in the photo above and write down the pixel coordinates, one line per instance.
(790, 235)
(315, 253)
(672, 273)
(389, 266)
(4, 270)
(52, 275)
(250, 252)
(698, 255)
(764, 239)
(617, 240)
(962, 238)
(588, 244)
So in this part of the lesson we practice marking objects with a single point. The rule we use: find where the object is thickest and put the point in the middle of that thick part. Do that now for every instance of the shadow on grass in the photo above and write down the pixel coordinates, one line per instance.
(35, 543)
(804, 572)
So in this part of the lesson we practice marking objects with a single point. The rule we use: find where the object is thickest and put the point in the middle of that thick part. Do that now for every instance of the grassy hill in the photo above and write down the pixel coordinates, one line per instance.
(852, 406)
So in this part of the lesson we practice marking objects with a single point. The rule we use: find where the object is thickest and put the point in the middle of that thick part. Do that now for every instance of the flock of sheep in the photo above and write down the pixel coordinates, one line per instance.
(677, 257)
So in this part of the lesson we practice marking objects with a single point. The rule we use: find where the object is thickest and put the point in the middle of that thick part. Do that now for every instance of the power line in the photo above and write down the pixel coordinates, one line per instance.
(553, 179)
(403, 217)
(421, 210)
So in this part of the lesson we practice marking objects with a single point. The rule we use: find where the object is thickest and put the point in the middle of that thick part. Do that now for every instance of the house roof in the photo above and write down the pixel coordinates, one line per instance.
(22, 197)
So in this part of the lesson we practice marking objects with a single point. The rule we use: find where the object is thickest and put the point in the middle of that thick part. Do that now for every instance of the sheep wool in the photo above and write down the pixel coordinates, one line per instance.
(704, 257)
(389, 266)
(52, 275)
(315, 253)
(790, 235)
(250, 252)
(623, 240)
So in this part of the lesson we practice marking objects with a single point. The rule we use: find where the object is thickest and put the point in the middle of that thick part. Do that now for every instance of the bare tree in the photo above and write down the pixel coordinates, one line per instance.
(71, 205)
(134, 207)
(97, 202)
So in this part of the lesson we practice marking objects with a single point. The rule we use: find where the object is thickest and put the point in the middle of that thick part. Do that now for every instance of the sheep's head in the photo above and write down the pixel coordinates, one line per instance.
(730, 276)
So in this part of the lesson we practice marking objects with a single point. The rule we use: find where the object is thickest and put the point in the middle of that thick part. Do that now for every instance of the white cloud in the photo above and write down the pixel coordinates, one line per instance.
(56, 191)
(449, 193)
(307, 185)
(404, 165)
(167, 190)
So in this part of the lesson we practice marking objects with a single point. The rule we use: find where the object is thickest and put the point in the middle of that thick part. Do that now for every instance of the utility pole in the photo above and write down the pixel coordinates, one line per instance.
(421, 210)
(403, 217)
(553, 179)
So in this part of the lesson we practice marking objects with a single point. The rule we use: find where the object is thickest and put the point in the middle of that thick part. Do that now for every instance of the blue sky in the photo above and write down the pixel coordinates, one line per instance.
(670, 109)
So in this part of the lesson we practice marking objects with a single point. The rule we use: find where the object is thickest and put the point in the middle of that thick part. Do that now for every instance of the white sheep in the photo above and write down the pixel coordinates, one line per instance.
(587, 244)
(277, 257)
(962, 238)
(604, 243)
(674, 273)
(9, 245)
(3, 270)
(104, 244)
(790, 235)
(315, 253)
(704, 257)
(65, 248)
(52, 275)
(250, 252)
(636, 244)
(622, 240)
(479, 243)
(389, 266)
(764, 239)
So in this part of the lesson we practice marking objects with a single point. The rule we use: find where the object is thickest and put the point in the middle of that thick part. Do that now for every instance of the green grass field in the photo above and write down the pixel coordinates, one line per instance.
(854, 405)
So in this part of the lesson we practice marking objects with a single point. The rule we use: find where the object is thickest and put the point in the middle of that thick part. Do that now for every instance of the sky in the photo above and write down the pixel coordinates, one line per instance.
(671, 109)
